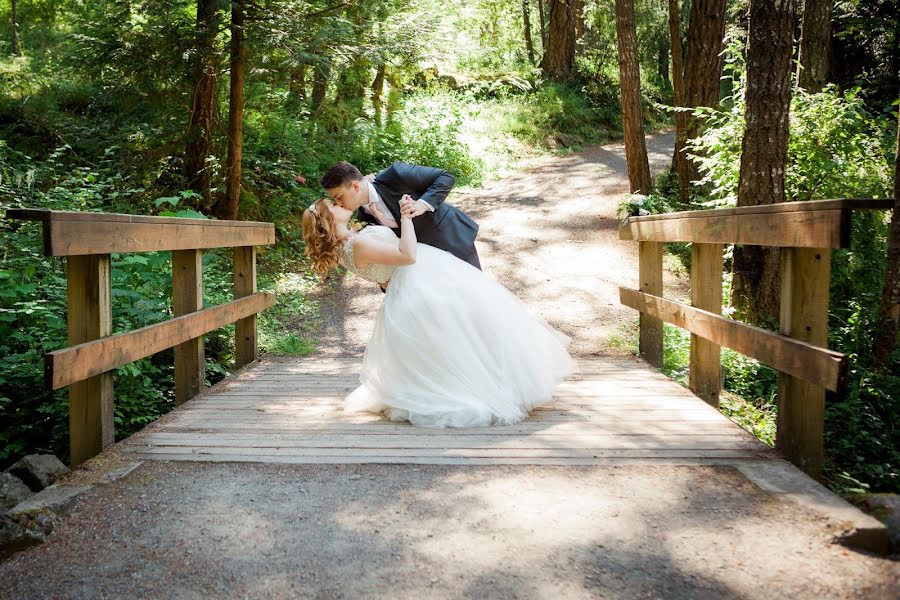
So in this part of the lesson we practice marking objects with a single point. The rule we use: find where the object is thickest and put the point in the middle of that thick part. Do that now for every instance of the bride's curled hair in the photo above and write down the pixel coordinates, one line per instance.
(323, 245)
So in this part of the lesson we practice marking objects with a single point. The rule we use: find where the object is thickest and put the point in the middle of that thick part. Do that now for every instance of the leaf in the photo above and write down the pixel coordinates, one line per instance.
(173, 200)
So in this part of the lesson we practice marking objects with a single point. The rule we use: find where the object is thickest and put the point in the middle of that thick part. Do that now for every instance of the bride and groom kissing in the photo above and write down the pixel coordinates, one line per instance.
(450, 346)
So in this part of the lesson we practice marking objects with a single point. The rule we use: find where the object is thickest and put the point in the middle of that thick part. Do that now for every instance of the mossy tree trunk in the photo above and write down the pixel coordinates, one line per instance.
(703, 64)
(632, 116)
(815, 42)
(764, 152)
(889, 313)
(559, 54)
(203, 103)
(228, 206)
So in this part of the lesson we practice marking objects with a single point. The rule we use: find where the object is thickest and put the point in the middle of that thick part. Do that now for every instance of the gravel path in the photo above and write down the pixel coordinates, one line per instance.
(550, 235)
(220, 530)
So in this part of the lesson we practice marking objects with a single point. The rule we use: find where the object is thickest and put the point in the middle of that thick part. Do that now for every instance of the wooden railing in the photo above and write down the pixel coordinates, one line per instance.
(87, 240)
(807, 232)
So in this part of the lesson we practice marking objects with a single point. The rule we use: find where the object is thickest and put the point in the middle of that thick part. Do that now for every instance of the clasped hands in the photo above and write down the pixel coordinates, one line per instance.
(410, 208)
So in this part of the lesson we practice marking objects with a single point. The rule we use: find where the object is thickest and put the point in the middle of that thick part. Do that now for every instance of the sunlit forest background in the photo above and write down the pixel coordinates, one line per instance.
(207, 108)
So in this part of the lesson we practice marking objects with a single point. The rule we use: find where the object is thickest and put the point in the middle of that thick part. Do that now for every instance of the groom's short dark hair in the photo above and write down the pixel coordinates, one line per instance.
(340, 174)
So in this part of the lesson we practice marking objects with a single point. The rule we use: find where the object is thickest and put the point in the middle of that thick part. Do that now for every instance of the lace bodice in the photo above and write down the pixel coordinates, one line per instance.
(373, 272)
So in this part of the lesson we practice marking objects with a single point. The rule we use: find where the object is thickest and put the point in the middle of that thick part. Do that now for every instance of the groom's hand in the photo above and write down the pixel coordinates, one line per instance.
(416, 207)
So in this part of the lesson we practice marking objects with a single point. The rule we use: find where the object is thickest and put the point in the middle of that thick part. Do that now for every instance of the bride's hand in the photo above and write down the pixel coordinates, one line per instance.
(407, 208)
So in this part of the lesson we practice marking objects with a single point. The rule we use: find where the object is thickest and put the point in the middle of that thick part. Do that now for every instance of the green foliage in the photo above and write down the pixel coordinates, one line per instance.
(836, 149)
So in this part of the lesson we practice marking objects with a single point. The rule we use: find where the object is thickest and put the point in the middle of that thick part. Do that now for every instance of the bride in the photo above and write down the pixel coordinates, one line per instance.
(451, 347)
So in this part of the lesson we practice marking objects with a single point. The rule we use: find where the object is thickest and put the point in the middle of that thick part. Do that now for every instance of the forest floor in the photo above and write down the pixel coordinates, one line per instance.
(549, 234)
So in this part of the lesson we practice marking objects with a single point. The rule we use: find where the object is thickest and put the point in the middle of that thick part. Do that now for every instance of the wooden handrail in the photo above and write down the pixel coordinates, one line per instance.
(806, 232)
(812, 224)
(68, 233)
(85, 366)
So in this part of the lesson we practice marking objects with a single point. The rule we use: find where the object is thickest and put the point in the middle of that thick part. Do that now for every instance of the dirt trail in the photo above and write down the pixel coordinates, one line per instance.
(550, 235)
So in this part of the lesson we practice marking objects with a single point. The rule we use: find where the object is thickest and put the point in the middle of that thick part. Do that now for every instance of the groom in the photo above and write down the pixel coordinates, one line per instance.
(378, 202)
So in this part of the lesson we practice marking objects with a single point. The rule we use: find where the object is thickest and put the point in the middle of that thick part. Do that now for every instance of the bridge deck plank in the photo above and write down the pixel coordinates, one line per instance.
(614, 411)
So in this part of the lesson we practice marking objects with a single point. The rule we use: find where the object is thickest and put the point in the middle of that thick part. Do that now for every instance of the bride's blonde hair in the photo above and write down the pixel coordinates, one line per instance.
(323, 243)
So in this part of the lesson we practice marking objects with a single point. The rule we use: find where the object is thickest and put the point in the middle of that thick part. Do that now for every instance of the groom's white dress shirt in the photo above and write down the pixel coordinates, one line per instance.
(381, 211)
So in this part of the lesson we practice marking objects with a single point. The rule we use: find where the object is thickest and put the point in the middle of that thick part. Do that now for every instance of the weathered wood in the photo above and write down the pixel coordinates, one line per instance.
(245, 345)
(792, 356)
(805, 276)
(650, 343)
(808, 205)
(79, 233)
(187, 297)
(829, 228)
(472, 452)
(453, 460)
(85, 360)
(706, 293)
(89, 317)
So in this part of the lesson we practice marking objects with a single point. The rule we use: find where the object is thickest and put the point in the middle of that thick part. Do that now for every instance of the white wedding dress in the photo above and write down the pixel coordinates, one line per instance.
(452, 347)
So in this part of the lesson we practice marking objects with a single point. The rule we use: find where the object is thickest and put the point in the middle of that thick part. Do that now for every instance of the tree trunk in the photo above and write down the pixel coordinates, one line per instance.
(632, 118)
(203, 100)
(889, 313)
(559, 55)
(579, 18)
(377, 92)
(815, 41)
(15, 31)
(679, 158)
(298, 83)
(764, 151)
(702, 71)
(540, 4)
(228, 208)
(662, 58)
(320, 85)
(526, 22)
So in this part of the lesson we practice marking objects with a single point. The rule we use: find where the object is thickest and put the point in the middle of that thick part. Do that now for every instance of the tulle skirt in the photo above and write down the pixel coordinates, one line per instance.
(451, 347)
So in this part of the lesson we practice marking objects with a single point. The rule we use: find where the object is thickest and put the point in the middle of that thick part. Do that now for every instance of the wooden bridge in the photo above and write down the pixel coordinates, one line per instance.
(611, 412)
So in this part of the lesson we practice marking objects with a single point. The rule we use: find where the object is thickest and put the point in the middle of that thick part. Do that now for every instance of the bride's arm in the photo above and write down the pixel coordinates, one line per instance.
(368, 251)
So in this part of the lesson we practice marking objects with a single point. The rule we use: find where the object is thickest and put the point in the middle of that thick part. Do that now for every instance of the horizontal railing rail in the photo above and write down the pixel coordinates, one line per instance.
(87, 239)
(806, 232)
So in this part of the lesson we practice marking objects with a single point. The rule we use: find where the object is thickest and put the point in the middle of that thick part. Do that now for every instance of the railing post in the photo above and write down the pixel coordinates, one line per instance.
(89, 318)
(805, 274)
(187, 297)
(244, 285)
(650, 344)
(706, 293)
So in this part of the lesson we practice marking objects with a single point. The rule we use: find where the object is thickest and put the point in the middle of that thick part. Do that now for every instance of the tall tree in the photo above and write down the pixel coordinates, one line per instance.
(889, 313)
(815, 42)
(559, 54)
(203, 102)
(15, 30)
(764, 151)
(227, 207)
(578, 11)
(526, 22)
(679, 159)
(540, 4)
(702, 71)
(378, 91)
(632, 117)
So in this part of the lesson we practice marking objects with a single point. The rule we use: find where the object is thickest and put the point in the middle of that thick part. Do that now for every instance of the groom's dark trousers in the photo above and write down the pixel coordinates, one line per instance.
(447, 227)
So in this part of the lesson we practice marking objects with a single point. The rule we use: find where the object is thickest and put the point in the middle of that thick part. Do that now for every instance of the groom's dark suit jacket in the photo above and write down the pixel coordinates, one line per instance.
(447, 228)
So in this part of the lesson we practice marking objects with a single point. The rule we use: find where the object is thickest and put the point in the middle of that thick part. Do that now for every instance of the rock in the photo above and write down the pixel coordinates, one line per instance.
(885, 508)
(57, 498)
(12, 491)
(449, 80)
(567, 141)
(37, 471)
(25, 529)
